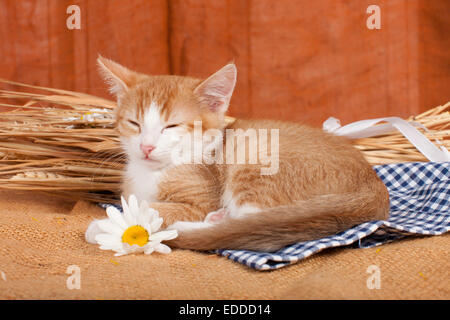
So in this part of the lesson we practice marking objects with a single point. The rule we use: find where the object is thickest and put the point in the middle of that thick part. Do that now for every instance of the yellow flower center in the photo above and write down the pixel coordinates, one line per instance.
(135, 235)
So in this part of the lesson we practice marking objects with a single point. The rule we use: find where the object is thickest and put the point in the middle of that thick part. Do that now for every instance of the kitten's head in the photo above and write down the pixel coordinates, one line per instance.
(155, 111)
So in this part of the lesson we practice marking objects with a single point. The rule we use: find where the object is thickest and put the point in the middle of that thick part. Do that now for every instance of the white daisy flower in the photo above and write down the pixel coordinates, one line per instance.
(136, 230)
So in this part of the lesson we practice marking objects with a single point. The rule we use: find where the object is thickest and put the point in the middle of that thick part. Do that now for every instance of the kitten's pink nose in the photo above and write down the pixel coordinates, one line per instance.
(147, 149)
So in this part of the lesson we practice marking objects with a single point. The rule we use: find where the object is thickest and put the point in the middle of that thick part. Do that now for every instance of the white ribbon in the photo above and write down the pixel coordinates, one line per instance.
(368, 128)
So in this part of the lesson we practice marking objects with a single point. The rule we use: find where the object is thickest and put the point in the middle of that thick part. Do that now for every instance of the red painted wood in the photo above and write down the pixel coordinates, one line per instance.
(298, 60)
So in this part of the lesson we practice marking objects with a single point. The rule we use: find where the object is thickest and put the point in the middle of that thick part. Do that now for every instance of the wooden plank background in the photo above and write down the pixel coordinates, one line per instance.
(299, 60)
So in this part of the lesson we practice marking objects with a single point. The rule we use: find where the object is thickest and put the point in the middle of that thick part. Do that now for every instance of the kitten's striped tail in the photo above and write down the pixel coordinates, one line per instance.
(274, 228)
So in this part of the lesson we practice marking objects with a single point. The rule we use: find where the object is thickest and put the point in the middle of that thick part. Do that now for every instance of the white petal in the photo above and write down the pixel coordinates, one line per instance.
(133, 205)
(143, 218)
(128, 217)
(153, 212)
(156, 224)
(147, 227)
(149, 249)
(164, 235)
(106, 239)
(162, 248)
(111, 247)
(153, 215)
(92, 231)
(124, 203)
(143, 207)
(132, 248)
(116, 217)
(110, 227)
(127, 247)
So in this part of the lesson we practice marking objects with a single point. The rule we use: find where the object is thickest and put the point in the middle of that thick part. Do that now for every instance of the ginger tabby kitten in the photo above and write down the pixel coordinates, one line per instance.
(321, 184)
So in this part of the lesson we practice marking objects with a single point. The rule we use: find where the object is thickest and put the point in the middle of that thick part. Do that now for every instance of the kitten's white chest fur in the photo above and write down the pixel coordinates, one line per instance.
(142, 182)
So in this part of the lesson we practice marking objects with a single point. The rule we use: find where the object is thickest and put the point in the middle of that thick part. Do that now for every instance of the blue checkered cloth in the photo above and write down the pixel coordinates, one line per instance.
(419, 205)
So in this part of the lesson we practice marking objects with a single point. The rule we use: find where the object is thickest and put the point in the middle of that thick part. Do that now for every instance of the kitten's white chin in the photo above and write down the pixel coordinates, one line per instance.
(153, 164)
(143, 179)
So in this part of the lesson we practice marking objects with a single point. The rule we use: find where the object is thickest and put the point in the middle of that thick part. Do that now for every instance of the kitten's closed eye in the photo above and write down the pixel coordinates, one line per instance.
(134, 123)
(170, 126)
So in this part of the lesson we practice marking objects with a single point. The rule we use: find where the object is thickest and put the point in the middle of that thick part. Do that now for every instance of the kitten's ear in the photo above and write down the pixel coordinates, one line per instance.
(119, 78)
(216, 91)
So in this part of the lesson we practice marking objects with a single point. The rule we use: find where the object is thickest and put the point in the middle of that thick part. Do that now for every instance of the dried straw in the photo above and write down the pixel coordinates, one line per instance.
(394, 147)
(61, 142)
(64, 142)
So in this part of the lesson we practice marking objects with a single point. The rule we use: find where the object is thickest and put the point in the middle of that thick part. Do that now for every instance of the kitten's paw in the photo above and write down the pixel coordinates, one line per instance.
(216, 216)
(188, 226)
(92, 231)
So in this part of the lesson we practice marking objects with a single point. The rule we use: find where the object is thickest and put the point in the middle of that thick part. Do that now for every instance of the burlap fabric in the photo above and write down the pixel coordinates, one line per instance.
(40, 236)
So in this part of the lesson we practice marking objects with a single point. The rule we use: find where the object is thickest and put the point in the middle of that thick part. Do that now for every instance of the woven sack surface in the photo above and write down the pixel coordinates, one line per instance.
(40, 236)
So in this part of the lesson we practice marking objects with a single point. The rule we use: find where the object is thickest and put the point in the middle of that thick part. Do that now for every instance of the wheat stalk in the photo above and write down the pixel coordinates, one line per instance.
(394, 147)
(64, 143)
